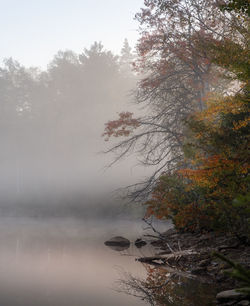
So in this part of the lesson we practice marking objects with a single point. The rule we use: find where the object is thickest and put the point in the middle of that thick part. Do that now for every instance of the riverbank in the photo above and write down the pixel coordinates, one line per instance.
(192, 254)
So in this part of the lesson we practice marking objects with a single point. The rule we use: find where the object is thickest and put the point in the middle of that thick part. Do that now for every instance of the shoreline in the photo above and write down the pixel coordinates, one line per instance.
(192, 255)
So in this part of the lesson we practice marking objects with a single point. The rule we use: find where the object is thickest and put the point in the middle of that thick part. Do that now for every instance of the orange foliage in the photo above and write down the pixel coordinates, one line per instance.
(201, 195)
(217, 106)
(122, 126)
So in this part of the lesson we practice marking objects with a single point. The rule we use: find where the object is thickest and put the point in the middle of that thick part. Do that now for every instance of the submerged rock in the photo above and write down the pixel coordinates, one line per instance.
(118, 243)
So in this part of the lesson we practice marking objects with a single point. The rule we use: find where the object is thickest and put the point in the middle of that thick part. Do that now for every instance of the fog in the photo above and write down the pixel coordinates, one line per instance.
(59, 199)
(51, 129)
(64, 262)
(57, 196)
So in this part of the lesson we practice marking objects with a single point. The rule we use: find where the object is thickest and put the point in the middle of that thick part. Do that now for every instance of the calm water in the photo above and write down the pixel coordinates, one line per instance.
(61, 262)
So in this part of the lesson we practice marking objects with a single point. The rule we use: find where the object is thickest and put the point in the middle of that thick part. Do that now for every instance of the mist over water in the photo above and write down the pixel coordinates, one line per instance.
(52, 124)
(64, 262)
(56, 202)
(59, 203)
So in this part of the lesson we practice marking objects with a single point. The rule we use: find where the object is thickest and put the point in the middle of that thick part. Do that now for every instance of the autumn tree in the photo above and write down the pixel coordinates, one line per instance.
(217, 153)
(196, 57)
(178, 73)
(212, 192)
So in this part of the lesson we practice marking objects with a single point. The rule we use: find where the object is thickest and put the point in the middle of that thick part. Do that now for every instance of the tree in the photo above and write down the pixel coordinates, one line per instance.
(217, 154)
(178, 74)
(197, 132)
(46, 116)
(126, 59)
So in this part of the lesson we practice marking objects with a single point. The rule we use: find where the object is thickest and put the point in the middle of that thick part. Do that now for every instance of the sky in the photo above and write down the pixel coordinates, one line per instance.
(33, 31)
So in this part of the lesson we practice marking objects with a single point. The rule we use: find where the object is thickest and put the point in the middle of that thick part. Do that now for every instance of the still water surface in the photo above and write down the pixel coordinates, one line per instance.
(61, 262)
(64, 262)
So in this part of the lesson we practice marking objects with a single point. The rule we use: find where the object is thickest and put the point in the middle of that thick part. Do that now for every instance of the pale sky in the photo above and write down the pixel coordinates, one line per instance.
(32, 31)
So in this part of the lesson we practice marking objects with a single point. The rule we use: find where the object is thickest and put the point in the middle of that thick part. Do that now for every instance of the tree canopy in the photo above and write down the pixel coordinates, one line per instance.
(195, 131)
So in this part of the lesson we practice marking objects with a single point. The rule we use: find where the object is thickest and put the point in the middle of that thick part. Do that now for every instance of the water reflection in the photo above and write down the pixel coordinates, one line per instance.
(64, 262)
(161, 288)
(160, 285)
(118, 248)
(118, 243)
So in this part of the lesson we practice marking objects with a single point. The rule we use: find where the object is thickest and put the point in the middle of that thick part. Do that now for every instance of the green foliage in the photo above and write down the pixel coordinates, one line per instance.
(234, 57)
(242, 201)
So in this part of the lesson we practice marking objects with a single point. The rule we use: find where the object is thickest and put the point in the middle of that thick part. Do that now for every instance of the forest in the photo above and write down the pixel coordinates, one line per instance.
(161, 125)
(195, 131)
(194, 135)
(51, 123)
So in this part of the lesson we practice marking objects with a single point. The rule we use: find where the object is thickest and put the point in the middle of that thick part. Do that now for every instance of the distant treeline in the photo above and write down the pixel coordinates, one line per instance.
(51, 121)
(63, 206)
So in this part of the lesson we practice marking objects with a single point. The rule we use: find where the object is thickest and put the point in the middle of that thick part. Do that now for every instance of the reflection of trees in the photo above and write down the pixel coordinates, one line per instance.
(163, 288)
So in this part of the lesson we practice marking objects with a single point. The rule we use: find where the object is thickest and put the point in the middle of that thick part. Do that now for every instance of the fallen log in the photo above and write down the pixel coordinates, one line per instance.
(166, 257)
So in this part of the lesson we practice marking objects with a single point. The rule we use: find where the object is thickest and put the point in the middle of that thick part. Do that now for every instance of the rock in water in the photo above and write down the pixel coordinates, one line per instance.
(244, 303)
(118, 243)
(230, 295)
(140, 243)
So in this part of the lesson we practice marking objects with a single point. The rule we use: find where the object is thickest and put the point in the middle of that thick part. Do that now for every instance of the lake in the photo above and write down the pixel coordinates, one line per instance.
(63, 261)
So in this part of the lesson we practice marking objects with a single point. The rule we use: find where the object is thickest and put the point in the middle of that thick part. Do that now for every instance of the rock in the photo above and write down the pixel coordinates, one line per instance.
(244, 303)
(118, 243)
(232, 303)
(230, 295)
(140, 243)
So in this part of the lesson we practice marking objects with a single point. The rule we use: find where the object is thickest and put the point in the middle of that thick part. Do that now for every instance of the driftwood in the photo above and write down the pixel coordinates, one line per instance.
(165, 257)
